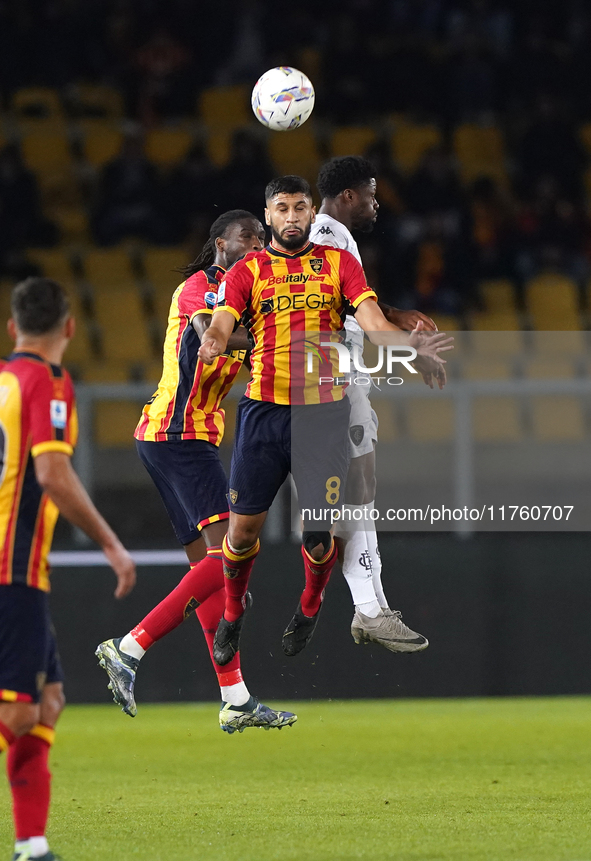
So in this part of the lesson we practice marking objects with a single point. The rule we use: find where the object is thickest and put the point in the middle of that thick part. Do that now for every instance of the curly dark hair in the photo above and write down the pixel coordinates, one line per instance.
(349, 171)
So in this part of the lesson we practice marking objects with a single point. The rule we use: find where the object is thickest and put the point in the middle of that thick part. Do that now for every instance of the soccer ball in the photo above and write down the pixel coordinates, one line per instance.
(283, 98)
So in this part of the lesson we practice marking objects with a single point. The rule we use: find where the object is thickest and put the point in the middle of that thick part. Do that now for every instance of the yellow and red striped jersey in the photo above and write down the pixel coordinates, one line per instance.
(187, 404)
(287, 300)
(37, 414)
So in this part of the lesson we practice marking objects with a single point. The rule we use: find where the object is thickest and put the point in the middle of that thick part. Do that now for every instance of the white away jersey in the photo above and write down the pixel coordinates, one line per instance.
(326, 230)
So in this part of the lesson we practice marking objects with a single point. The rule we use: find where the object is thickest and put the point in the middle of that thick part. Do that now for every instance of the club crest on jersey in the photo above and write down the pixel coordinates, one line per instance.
(316, 263)
(58, 413)
(356, 432)
(233, 496)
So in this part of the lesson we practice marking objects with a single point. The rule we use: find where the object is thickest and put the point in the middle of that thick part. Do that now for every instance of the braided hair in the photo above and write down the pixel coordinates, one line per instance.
(217, 230)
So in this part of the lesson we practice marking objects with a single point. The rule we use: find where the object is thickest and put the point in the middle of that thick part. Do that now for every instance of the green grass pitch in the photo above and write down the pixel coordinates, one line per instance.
(430, 780)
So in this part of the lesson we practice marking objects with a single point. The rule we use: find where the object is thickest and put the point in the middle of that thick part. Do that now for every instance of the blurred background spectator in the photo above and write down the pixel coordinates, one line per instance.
(476, 113)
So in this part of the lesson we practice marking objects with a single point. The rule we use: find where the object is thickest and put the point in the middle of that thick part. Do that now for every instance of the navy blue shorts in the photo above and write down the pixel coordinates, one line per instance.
(29, 658)
(191, 481)
(272, 440)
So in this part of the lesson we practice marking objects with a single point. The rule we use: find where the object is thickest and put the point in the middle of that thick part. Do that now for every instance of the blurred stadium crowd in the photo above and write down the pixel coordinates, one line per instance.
(126, 125)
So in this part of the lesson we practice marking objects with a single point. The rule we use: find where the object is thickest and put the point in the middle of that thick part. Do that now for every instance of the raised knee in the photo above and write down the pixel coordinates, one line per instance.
(52, 705)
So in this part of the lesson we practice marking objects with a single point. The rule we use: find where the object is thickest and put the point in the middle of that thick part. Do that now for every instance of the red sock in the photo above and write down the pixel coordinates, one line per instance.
(204, 579)
(7, 737)
(317, 576)
(209, 614)
(30, 781)
(237, 568)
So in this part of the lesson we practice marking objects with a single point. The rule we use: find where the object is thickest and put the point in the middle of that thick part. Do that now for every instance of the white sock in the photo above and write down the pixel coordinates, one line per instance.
(371, 609)
(36, 846)
(130, 646)
(236, 694)
(357, 568)
(376, 563)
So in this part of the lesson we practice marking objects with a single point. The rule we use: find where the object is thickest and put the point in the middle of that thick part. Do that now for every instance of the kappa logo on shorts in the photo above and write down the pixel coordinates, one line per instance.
(316, 264)
(356, 432)
(233, 496)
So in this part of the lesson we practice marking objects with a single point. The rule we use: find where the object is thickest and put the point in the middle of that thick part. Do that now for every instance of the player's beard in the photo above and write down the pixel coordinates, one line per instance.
(292, 243)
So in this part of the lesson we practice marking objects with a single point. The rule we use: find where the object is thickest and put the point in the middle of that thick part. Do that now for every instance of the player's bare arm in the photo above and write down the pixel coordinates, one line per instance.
(238, 340)
(406, 320)
(216, 337)
(381, 332)
(57, 478)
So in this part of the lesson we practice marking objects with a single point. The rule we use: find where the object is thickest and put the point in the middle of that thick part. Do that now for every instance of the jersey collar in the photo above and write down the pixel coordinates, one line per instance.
(276, 253)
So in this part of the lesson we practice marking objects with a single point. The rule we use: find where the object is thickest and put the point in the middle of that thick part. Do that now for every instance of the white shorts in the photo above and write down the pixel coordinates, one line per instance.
(363, 422)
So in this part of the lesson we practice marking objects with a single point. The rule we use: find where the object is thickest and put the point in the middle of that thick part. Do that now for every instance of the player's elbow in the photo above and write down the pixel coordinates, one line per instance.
(50, 471)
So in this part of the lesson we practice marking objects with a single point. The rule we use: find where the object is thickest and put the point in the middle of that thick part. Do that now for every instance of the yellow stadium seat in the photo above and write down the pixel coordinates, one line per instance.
(499, 343)
(411, 141)
(101, 144)
(295, 153)
(153, 371)
(498, 295)
(54, 262)
(446, 322)
(160, 265)
(430, 420)
(560, 343)
(480, 151)
(79, 350)
(351, 140)
(102, 371)
(386, 411)
(557, 418)
(5, 314)
(548, 368)
(46, 150)
(219, 145)
(97, 101)
(495, 321)
(552, 301)
(225, 106)
(496, 419)
(115, 422)
(480, 368)
(124, 330)
(167, 146)
(229, 405)
(37, 103)
(72, 221)
(110, 268)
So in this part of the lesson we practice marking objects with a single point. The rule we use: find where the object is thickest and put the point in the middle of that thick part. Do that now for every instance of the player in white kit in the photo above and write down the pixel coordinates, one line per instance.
(347, 186)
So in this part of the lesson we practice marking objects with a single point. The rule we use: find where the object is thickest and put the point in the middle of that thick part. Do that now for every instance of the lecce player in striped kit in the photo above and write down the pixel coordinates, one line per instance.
(177, 440)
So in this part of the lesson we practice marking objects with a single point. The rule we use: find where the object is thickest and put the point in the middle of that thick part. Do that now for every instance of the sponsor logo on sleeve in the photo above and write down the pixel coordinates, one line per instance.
(221, 300)
(210, 299)
(58, 413)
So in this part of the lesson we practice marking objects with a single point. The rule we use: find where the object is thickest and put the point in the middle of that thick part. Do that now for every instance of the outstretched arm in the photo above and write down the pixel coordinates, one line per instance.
(380, 331)
(406, 320)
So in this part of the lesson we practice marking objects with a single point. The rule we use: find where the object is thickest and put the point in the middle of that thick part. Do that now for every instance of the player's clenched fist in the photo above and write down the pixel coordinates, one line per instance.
(211, 348)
